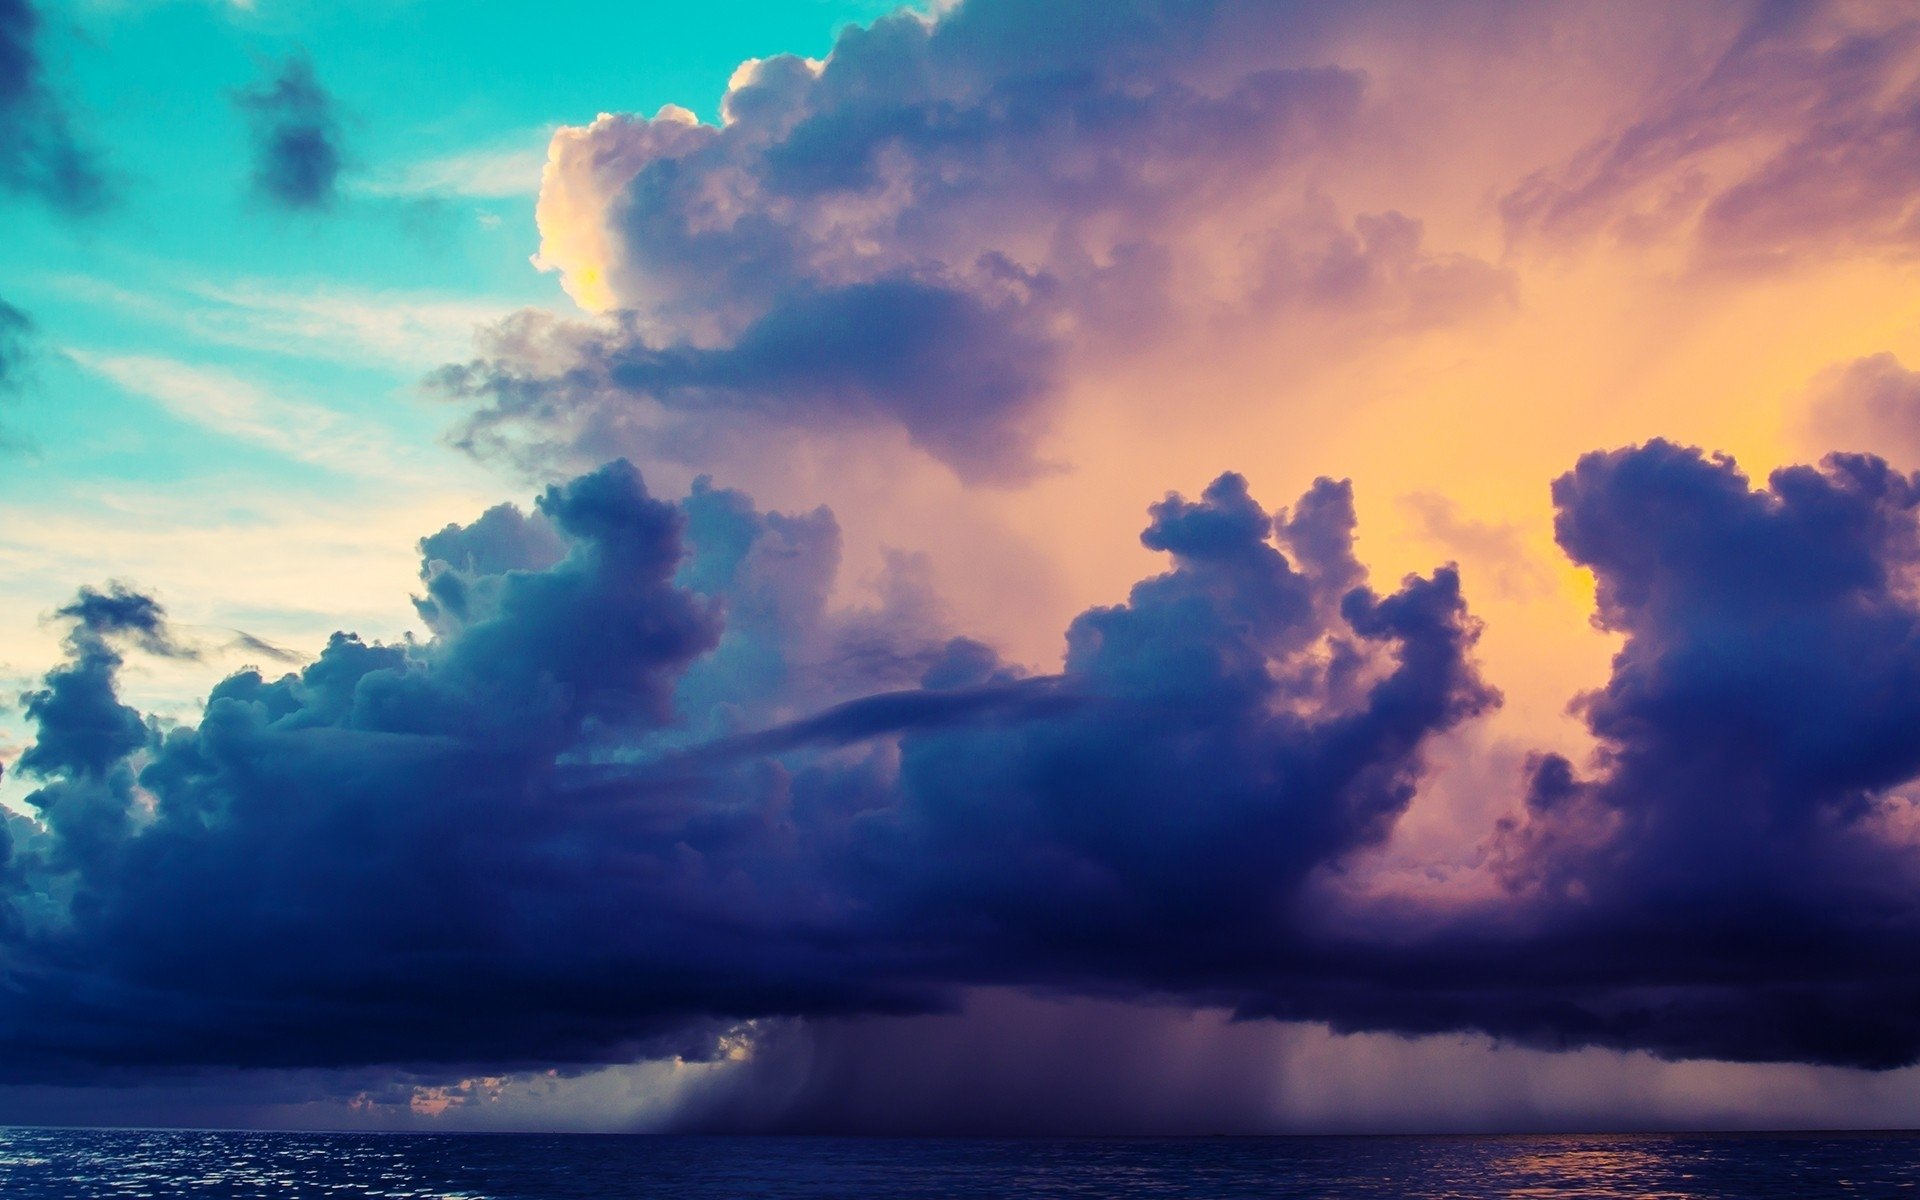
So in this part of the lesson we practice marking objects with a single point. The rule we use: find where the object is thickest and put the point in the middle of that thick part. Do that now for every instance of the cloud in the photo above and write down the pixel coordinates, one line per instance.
(1871, 405)
(958, 377)
(1740, 859)
(1730, 876)
(247, 643)
(297, 154)
(85, 732)
(243, 410)
(1261, 684)
(15, 330)
(919, 232)
(120, 612)
(16, 350)
(1798, 139)
(648, 775)
(491, 173)
(39, 154)
(642, 783)
(335, 324)
(1498, 548)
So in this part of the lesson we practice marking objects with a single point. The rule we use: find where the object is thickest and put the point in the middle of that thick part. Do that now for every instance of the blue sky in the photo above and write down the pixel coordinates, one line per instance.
(216, 364)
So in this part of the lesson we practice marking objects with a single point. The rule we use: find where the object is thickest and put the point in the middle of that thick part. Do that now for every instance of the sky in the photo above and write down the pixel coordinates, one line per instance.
(1141, 567)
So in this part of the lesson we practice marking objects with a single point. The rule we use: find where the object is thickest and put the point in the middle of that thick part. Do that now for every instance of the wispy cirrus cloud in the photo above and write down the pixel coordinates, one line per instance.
(489, 173)
(1799, 139)
(397, 329)
(235, 407)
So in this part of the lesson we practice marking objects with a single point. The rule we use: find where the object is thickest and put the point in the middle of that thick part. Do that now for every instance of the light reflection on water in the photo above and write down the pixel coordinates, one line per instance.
(162, 1164)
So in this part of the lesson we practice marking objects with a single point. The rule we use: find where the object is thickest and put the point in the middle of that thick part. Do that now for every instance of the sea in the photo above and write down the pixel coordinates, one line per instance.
(346, 1166)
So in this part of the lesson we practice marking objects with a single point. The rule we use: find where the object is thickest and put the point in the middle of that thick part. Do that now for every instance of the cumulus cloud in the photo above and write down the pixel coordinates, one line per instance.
(1739, 862)
(1251, 715)
(1730, 877)
(649, 775)
(39, 153)
(297, 154)
(917, 232)
(643, 783)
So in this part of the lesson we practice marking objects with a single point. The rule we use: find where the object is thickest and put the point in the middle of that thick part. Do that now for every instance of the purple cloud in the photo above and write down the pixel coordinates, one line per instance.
(919, 232)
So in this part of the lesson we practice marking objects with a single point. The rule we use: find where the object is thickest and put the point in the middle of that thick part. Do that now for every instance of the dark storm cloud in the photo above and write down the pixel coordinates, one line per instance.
(39, 152)
(1243, 720)
(915, 233)
(643, 783)
(297, 155)
(542, 836)
(86, 735)
(122, 613)
(357, 810)
(895, 712)
(1732, 877)
(1801, 138)
(1746, 824)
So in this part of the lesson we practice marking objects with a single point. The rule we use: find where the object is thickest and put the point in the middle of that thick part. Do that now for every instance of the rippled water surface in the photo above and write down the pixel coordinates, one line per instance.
(131, 1163)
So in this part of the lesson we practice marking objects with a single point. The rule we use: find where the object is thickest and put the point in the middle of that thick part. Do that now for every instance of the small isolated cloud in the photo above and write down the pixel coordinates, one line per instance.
(40, 155)
(297, 154)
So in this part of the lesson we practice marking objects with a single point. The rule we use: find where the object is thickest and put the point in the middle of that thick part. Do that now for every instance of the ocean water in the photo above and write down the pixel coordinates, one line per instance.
(142, 1163)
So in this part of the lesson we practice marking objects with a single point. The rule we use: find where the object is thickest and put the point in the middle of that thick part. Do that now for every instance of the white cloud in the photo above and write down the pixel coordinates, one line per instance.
(414, 331)
(491, 173)
(408, 329)
(238, 408)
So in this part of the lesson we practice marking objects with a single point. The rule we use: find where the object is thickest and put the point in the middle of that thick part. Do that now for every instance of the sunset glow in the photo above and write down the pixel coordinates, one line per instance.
(1206, 566)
